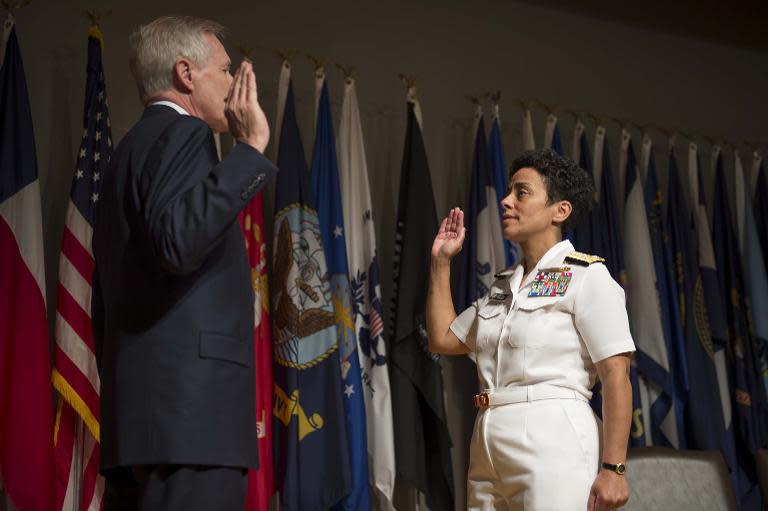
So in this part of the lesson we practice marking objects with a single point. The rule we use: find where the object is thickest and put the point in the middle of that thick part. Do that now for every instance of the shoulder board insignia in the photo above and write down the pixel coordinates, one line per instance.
(583, 259)
(555, 269)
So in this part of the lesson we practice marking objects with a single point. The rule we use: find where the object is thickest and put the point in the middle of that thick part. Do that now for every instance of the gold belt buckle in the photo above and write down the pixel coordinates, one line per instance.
(482, 400)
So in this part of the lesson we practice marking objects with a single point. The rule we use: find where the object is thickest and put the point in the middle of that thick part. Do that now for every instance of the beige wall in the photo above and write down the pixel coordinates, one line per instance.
(453, 47)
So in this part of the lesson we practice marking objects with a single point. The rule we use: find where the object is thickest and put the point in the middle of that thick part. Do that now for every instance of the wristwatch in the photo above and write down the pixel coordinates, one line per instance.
(619, 468)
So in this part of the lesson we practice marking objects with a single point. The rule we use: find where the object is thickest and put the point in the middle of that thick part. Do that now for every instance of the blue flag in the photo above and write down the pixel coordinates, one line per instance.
(586, 235)
(643, 304)
(754, 267)
(704, 421)
(482, 255)
(325, 185)
(311, 453)
(499, 173)
(557, 143)
(607, 221)
(747, 389)
(670, 307)
(606, 227)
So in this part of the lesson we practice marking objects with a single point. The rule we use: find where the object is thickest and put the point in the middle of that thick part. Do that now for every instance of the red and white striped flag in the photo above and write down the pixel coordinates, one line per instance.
(26, 414)
(260, 482)
(79, 487)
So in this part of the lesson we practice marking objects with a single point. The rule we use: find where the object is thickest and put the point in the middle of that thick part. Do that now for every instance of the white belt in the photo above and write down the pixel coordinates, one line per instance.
(524, 393)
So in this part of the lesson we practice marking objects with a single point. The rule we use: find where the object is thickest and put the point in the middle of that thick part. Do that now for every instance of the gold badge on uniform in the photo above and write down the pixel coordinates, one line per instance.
(551, 282)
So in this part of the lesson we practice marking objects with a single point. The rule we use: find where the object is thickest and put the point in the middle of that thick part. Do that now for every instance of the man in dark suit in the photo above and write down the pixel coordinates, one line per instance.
(173, 302)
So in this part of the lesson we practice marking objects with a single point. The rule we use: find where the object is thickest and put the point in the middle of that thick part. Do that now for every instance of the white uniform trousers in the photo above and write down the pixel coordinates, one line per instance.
(537, 455)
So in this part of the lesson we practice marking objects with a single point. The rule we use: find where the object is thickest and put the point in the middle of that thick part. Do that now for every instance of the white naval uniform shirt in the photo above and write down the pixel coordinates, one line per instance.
(521, 340)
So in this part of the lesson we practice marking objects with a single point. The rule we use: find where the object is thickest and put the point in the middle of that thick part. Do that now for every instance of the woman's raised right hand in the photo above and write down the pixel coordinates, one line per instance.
(450, 237)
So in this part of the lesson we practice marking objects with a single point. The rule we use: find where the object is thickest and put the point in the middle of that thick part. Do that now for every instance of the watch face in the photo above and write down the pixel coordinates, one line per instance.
(621, 468)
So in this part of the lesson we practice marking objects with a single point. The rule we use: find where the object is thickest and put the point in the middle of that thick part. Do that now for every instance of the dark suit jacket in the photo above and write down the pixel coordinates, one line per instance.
(173, 302)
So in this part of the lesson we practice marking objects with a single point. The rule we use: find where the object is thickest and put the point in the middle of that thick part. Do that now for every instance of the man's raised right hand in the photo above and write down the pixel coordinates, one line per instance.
(247, 121)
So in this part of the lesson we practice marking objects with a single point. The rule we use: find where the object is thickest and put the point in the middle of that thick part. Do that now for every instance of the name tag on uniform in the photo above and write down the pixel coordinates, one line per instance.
(551, 282)
(499, 297)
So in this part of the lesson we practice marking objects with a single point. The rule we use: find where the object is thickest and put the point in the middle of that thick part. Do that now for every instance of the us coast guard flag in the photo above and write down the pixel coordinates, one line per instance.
(311, 453)
(26, 416)
(366, 298)
(325, 185)
(642, 297)
(483, 253)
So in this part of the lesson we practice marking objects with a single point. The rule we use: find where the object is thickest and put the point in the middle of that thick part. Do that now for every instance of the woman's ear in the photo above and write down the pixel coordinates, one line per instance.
(563, 210)
(182, 75)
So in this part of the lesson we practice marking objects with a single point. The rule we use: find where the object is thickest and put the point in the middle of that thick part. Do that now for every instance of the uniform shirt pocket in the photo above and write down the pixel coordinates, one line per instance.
(545, 318)
(490, 319)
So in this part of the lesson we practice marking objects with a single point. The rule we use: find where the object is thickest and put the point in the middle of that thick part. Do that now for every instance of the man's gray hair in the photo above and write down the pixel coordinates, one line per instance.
(156, 46)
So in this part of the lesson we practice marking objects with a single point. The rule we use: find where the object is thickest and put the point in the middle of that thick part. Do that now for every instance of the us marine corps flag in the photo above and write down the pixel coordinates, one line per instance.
(422, 442)
(311, 454)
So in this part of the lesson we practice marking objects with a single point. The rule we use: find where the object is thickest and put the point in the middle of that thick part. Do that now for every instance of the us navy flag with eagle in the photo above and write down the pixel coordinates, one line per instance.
(311, 455)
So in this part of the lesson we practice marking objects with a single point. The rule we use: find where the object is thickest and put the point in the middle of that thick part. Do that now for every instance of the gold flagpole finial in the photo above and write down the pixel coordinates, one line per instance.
(246, 51)
(475, 100)
(348, 72)
(318, 62)
(408, 80)
(95, 16)
(284, 55)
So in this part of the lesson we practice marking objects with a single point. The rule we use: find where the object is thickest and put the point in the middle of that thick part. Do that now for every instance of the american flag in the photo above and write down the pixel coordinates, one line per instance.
(75, 375)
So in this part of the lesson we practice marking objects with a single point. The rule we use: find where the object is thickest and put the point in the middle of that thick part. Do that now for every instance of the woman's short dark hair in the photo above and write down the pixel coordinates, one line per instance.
(564, 180)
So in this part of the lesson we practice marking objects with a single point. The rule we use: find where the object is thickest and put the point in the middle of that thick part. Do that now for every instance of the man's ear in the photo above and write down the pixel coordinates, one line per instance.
(563, 210)
(182, 75)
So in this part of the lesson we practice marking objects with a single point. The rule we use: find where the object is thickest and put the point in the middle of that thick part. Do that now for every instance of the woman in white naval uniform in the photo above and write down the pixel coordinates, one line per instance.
(546, 328)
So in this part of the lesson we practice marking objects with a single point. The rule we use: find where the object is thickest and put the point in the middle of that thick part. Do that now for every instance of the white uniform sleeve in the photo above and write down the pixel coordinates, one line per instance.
(601, 315)
(465, 326)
